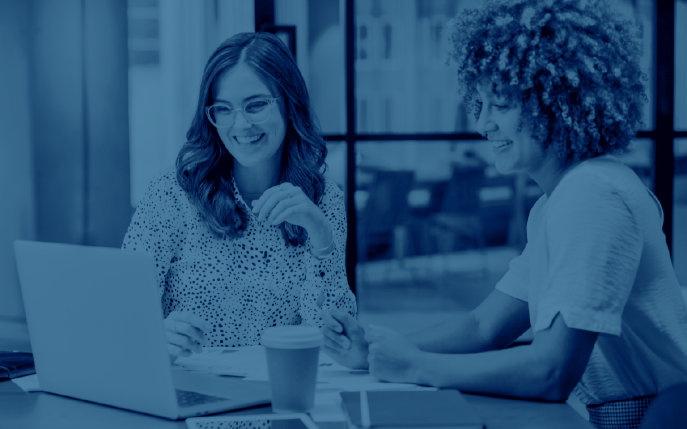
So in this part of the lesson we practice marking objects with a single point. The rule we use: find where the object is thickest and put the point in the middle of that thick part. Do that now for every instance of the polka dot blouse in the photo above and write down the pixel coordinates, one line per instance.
(244, 285)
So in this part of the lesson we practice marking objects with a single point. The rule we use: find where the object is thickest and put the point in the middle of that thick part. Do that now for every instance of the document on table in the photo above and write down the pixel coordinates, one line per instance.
(239, 361)
(29, 383)
(332, 378)
(250, 362)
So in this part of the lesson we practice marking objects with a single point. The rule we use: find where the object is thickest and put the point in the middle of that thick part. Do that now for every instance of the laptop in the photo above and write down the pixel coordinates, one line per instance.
(95, 323)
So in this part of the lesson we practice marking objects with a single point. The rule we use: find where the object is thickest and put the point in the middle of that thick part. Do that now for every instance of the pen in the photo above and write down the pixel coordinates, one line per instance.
(364, 410)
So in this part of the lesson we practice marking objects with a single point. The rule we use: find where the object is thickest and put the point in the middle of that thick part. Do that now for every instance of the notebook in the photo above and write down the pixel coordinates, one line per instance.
(95, 323)
(410, 409)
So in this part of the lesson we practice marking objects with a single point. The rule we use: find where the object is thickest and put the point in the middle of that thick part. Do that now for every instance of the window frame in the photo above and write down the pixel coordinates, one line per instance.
(663, 133)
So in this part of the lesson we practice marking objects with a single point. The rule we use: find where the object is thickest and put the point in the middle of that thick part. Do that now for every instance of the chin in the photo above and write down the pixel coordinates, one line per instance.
(248, 162)
(504, 168)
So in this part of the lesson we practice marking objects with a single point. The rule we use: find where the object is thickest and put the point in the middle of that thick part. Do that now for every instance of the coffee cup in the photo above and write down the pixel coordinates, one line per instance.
(292, 358)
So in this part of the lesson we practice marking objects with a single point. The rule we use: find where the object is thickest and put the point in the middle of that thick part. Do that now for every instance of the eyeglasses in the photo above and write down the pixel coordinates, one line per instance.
(222, 115)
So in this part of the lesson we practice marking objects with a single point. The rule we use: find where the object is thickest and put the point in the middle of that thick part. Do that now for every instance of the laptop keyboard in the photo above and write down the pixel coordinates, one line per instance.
(186, 398)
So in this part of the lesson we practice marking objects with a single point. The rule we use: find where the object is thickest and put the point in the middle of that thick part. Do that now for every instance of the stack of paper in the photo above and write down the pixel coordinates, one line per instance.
(240, 361)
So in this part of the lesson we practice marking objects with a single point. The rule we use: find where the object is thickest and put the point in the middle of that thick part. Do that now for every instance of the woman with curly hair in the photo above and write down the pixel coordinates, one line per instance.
(246, 232)
(557, 91)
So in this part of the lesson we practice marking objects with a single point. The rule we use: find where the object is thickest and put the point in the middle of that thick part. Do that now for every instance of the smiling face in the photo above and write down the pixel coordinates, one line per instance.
(251, 145)
(514, 148)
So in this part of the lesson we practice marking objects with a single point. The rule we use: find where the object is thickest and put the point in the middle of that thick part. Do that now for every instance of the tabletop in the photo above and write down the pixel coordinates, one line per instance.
(45, 410)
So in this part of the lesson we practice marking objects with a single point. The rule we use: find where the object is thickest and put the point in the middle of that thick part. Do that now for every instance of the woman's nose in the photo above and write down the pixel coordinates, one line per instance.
(240, 121)
(484, 123)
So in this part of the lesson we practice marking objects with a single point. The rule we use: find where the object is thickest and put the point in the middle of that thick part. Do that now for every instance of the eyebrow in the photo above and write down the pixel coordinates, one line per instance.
(252, 97)
(494, 95)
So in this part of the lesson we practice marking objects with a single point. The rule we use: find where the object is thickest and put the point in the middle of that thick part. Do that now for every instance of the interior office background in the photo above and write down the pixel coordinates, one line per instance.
(96, 97)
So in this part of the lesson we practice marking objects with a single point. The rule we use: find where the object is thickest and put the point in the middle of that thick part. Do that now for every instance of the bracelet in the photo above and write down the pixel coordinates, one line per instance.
(325, 251)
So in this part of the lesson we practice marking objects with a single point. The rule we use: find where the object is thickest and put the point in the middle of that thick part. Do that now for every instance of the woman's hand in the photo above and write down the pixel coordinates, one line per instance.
(344, 339)
(288, 203)
(392, 357)
(185, 333)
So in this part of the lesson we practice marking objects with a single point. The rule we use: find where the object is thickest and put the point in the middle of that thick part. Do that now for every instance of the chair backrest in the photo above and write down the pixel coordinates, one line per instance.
(462, 192)
(387, 205)
(668, 410)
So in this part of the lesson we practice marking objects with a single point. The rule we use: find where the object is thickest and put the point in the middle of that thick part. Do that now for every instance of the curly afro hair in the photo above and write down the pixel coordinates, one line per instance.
(574, 65)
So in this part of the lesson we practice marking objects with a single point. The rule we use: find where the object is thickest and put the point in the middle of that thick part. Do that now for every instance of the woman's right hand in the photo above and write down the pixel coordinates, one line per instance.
(344, 339)
(185, 333)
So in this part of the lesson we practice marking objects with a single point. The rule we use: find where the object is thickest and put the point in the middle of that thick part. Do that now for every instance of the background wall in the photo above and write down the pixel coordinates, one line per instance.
(17, 210)
(64, 129)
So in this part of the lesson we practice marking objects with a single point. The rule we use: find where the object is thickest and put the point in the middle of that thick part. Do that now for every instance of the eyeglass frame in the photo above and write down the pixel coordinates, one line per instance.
(236, 110)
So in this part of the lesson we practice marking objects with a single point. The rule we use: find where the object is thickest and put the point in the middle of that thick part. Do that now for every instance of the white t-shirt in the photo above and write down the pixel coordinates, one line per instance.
(244, 285)
(597, 255)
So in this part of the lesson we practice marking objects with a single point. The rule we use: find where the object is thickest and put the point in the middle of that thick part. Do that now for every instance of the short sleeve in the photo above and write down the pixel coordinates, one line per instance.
(516, 281)
(594, 247)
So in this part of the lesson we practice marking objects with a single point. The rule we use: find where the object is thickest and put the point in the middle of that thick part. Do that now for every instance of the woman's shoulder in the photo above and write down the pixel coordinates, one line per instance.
(165, 181)
(164, 188)
(332, 192)
(603, 186)
(332, 198)
(332, 189)
(600, 176)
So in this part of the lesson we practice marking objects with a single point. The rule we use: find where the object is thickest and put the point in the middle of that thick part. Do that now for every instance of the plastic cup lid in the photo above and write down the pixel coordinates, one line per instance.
(291, 337)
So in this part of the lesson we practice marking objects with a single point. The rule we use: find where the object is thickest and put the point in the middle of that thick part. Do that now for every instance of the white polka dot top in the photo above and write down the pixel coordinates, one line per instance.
(244, 285)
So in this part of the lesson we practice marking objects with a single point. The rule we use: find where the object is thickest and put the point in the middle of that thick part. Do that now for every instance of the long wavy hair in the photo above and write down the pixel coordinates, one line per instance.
(204, 165)
(573, 64)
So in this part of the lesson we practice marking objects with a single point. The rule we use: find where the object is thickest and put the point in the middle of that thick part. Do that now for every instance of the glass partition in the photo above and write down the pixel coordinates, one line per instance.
(437, 225)
(404, 44)
(320, 53)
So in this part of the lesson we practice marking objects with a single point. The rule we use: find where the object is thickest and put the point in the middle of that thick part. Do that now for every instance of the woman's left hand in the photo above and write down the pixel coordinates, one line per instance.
(392, 357)
(288, 203)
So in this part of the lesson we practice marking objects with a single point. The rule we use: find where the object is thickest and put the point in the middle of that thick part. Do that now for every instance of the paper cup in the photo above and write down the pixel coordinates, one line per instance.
(292, 357)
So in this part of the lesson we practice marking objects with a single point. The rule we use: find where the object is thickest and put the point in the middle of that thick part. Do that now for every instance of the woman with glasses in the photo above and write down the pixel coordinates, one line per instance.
(557, 90)
(245, 231)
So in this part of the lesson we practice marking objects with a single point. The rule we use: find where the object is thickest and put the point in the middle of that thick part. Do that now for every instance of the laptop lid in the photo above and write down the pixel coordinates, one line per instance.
(95, 324)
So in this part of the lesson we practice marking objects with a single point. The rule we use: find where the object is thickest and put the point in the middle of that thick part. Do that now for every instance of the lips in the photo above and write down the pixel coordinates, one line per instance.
(500, 144)
(247, 140)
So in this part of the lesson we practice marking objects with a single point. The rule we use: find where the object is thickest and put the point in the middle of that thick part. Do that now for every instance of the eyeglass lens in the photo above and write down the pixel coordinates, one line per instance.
(255, 112)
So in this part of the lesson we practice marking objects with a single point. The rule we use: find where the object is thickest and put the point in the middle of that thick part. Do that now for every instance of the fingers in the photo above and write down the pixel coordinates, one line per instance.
(334, 345)
(272, 196)
(330, 322)
(332, 330)
(194, 320)
(280, 214)
(350, 325)
(337, 341)
(183, 342)
(177, 351)
(257, 204)
(375, 333)
(284, 209)
(188, 330)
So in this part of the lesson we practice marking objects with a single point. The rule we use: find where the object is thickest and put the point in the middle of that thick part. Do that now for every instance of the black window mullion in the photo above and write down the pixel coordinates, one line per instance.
(663, 134)
(664, 160)
(350, 137)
